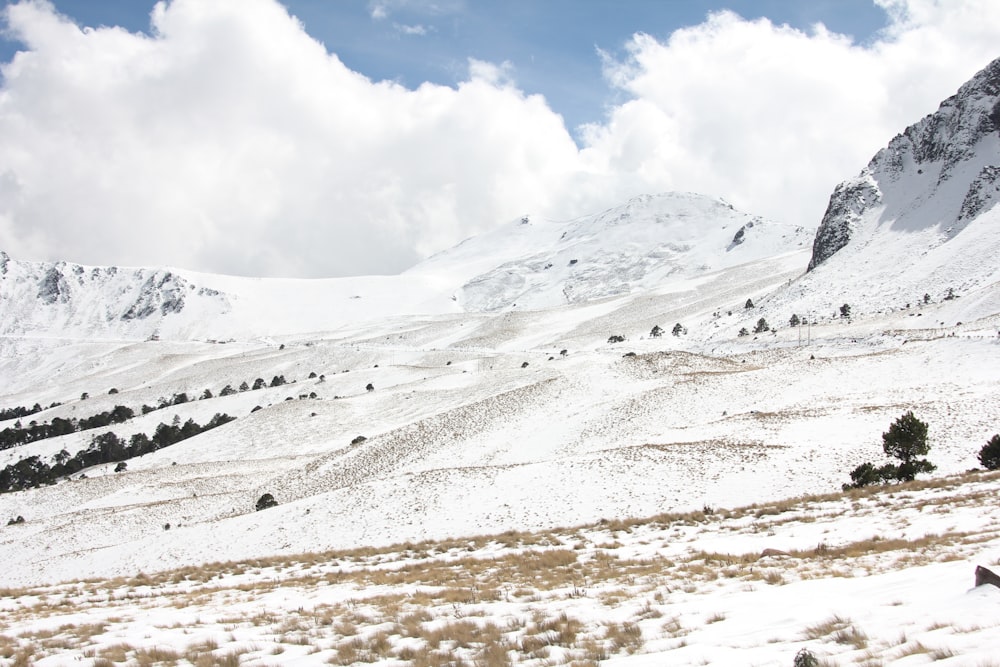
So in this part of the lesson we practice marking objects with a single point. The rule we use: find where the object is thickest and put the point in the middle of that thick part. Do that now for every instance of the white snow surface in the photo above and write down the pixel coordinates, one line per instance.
(499, 403)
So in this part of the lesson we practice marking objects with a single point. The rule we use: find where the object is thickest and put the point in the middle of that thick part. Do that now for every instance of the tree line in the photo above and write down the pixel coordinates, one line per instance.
(32, 472)
(19, 435)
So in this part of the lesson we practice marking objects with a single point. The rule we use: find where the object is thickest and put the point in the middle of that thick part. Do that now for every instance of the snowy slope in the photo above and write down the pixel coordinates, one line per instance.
(534, 264)
(484, 416)
(921, 218)
(647, 242)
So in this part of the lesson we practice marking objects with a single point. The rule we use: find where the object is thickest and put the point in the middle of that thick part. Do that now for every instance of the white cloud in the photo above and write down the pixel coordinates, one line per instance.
(230, 140)
(772, 118)
(417, 30)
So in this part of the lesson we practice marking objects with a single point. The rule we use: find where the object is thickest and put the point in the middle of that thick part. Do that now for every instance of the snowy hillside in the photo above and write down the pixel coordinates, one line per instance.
(921, 218)
(551, 373)
(646, 243)
(529, 264)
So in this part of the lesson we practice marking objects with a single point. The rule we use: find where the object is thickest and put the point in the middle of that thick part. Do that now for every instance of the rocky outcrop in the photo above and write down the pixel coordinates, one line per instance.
(847, 203)
(953, 152)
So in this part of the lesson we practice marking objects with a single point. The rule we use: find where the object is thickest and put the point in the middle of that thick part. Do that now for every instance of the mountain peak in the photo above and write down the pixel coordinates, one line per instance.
(937, 176)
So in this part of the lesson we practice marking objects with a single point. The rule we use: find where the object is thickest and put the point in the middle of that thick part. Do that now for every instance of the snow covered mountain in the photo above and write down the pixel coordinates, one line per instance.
(645, 243)
(921, 218)
(546, 374)
(528, 264)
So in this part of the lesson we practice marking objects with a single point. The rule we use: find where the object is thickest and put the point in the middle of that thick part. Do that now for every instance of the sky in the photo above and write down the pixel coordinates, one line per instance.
(314, 138)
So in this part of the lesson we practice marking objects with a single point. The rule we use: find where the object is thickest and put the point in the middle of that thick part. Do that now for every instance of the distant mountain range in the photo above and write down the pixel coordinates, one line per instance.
(919, 219)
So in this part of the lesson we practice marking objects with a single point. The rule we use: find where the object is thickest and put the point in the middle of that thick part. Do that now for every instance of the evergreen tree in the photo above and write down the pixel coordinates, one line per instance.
(266, 501)
(748, 305)
(794, 321)
(656, 331)
(743, 332)
(678, 329)
(989, 455)
(761, 327)
(845, 311)
(906, 440)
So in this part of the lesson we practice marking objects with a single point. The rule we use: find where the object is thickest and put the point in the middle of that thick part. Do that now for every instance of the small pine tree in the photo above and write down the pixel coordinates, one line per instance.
(845, 311)
(748, 305)
(906, 440)
(743, 332)
(794, 321)
(266, 501)
(805, 658)
(761, 327)
(989, 455)
(678, 329)
(656, 331)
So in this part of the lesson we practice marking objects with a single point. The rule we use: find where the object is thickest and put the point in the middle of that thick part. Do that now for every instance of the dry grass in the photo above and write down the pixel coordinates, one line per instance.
(431, 603)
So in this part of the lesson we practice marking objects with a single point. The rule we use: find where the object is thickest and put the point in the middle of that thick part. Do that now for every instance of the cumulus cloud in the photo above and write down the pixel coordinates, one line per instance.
(228, 140)
(231, 141)
(772, 118)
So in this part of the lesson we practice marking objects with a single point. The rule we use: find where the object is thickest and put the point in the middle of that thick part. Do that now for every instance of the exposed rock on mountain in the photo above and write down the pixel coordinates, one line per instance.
(938, 176)
(65, 299)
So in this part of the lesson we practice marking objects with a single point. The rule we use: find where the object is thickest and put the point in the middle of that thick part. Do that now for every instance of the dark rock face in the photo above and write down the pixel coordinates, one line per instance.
(162, 292)
(982, 195)
(946, 144)
(53, 287)
(848, 201)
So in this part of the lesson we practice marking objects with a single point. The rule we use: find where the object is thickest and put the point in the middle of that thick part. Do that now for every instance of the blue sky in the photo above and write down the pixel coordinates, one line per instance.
(368, 135)
(552, 45)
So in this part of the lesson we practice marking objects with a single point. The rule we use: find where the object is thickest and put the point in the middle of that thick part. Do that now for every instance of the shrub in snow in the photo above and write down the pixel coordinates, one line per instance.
(845, 311)
(761, 327)
(678, 329)
(989, 455)
(369, 387)
(616, 339)
(743, 332)
(805, 658)
(266, 501)
(656, 332)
